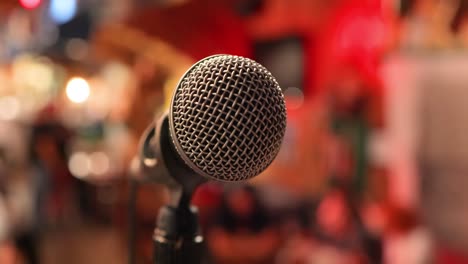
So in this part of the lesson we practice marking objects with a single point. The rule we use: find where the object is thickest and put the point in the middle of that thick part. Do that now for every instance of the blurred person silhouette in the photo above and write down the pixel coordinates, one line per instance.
(8, 252)
(17, 240)
(339, 223)
(46, 185)
(242, 230)
(355, 106)
(329, 235)
(355, 112)
(50, 171)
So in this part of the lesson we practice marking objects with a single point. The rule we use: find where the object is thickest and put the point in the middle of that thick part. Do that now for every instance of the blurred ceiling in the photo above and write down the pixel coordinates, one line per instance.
(198, 27)
(201, 27)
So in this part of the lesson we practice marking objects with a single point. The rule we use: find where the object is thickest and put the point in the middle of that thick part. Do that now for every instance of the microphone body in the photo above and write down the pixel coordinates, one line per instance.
(226, 122)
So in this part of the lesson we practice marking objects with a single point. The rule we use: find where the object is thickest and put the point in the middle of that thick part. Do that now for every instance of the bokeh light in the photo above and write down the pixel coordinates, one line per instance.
(78, 90)
(30, 4)
(9, 108)
(294, 97)
(76, 49)
(99, 163)
(62, 11)
(79, 164)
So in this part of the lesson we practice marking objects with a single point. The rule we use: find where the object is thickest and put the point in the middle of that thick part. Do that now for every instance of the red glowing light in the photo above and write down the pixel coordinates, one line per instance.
(30, 4)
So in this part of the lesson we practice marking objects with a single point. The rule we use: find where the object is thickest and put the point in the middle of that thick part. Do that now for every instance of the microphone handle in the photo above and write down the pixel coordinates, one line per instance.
(170, 253)
(176, 238)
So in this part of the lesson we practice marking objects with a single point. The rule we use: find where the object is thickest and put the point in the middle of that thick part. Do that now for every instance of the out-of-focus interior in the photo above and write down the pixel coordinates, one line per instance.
(372, 168)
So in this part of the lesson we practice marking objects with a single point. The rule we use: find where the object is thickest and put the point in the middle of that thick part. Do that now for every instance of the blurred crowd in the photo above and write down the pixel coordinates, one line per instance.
(248, 226)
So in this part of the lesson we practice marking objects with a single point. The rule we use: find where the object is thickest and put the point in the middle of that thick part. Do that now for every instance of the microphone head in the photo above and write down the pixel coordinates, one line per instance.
(227, 118)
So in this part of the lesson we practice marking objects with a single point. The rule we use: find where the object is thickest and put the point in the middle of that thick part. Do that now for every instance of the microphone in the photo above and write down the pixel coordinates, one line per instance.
(226, 122)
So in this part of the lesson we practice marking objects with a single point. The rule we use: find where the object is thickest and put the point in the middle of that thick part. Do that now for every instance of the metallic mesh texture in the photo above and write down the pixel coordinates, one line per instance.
(228, 118)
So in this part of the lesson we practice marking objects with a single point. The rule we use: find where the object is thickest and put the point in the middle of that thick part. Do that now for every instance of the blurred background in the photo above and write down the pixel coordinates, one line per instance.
(372, 167)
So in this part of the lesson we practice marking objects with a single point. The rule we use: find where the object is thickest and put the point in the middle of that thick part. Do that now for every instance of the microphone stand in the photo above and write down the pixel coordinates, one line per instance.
(177, 238)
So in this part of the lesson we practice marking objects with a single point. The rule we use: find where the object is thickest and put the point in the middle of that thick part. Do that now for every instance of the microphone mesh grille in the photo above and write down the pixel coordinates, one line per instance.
(228, 118)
